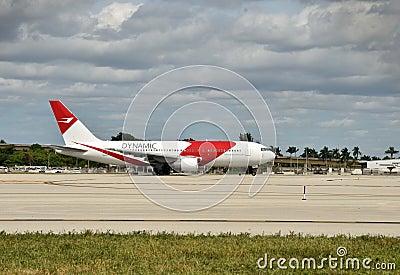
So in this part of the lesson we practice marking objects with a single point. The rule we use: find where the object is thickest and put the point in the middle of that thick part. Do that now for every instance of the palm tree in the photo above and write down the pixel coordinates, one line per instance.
(325, 153)
(345, 156)
(246, 137)
(292, 150)
(366, 157)
(309, 152)
(356, 152)
(391, 151)
(278, 151)
(335, 153)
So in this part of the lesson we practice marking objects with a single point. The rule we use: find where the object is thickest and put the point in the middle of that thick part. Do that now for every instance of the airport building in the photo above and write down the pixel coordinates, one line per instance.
(300, 165)
(389, 166)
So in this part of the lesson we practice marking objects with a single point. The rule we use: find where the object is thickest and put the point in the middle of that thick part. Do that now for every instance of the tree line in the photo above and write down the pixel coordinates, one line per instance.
(343, 155)
(36, 155)
(325, 153)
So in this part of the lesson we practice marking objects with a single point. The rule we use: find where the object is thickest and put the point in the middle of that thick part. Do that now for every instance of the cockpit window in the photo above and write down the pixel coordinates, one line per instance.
(264, 149)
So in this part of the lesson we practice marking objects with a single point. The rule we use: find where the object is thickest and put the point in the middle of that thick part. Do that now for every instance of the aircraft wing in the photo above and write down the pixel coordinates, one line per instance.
(160, 159)
(153, 158)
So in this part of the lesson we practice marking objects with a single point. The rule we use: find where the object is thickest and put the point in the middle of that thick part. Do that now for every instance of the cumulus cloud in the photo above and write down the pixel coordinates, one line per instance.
(22, 19)
(346, 41)
(346, 122)
(354, 23)
(285, 120)
(115, 14)
(359, 133)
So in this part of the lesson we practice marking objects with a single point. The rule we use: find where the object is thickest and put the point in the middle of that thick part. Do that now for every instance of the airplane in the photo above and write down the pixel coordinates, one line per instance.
(164, 156)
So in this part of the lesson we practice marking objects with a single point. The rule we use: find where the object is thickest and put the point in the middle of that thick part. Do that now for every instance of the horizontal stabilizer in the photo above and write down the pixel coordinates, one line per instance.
(68, 149)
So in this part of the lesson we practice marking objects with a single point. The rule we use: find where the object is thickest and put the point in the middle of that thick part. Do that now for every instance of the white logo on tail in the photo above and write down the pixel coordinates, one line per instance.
(66, 120)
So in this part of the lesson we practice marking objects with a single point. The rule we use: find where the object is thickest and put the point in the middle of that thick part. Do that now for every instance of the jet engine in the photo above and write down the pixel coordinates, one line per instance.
(186, 164)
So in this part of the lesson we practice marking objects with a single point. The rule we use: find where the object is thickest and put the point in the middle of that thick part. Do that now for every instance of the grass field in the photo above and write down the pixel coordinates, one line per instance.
(143, 253)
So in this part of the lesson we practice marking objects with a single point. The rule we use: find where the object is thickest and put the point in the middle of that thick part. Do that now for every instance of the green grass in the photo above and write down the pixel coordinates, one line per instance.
(143, 253)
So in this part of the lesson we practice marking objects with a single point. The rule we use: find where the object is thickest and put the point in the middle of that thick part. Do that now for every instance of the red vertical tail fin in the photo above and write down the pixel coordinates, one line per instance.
(72, 130)
(64, 117)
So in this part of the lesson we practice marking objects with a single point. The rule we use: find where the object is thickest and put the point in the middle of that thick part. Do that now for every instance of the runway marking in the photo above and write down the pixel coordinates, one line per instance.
(23, 181)
(349, 185)
(261, 194)
(200, 221)
(88, 184)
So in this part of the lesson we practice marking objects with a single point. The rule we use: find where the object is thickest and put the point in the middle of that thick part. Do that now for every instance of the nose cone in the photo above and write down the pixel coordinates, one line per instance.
(268, 156)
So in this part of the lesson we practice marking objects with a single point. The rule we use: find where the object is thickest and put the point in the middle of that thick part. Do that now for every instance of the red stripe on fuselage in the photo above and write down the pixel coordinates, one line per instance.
(116, 155)
(207, 150)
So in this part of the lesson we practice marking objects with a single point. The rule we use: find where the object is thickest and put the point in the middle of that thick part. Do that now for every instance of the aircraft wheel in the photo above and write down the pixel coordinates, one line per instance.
(251, 170)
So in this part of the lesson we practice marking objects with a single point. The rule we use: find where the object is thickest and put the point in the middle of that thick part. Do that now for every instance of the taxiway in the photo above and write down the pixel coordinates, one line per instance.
(332, 205)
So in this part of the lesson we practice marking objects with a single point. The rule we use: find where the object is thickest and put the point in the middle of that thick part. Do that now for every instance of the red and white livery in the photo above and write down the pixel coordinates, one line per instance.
(163, 156)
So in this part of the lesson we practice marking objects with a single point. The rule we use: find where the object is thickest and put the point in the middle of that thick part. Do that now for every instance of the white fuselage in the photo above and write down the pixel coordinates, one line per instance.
(116, 152)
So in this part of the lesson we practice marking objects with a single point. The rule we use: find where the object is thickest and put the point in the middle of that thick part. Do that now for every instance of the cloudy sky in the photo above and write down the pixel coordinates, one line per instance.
(329, 70)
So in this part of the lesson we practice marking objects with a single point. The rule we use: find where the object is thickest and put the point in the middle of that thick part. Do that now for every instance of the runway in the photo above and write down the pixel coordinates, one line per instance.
(332, 205)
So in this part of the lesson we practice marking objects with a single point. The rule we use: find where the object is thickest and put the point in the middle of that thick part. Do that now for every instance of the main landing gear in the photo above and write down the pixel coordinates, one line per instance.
(252, 170)
(162, 170)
